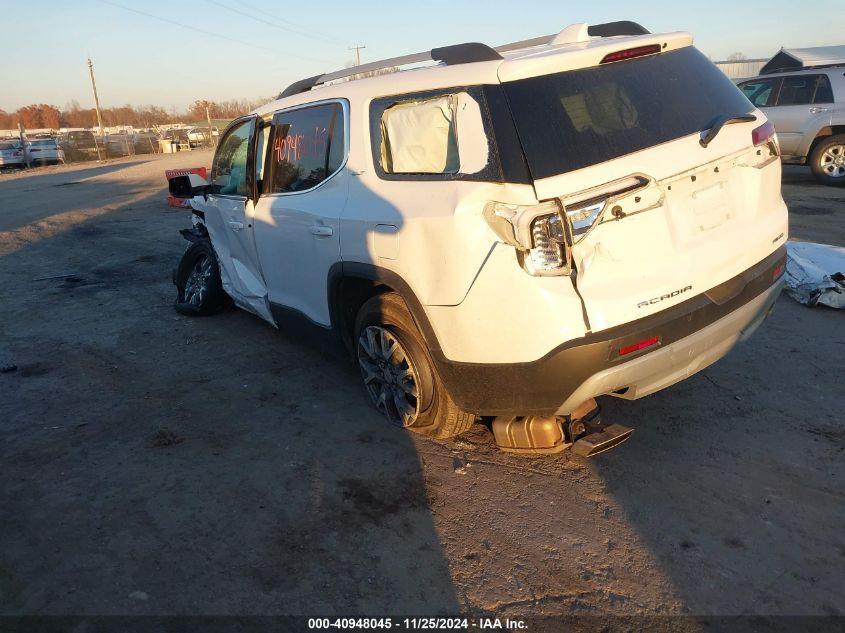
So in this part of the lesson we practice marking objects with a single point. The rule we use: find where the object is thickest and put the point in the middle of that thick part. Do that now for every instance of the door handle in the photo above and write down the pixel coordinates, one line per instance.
(815, 110)
(320, 230)
(236, 226)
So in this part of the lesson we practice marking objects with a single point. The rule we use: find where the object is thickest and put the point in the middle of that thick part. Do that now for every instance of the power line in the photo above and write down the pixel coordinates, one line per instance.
(212, 33)
(275, 24)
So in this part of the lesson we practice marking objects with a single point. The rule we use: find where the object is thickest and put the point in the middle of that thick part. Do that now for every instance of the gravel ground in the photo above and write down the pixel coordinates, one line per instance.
(158, 464)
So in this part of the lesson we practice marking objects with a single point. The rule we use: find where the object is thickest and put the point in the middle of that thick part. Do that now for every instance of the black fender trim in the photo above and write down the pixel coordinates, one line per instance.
(194, 234)
(378, 275)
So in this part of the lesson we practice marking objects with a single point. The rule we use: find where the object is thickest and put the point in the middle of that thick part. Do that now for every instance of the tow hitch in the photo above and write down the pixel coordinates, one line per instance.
(583, 431)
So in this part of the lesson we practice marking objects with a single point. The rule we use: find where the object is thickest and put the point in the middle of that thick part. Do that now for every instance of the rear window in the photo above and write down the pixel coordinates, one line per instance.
(578, 118)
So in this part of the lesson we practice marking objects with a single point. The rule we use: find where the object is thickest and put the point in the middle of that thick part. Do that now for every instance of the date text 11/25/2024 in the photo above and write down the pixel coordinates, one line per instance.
(418, 624)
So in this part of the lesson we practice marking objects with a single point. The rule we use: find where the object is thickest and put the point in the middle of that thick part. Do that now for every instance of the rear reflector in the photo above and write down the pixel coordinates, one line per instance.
(629, 53)
(778, 271)
(763, 134)
(638, 346)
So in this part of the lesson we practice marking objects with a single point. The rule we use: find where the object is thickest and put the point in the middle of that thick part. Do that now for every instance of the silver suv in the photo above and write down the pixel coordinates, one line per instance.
(808, 110)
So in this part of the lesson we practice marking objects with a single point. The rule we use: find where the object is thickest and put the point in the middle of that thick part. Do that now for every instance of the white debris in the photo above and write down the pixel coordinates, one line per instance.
(815, 274)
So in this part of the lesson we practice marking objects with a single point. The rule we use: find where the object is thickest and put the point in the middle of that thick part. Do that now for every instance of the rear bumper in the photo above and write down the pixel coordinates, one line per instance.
(692, 335)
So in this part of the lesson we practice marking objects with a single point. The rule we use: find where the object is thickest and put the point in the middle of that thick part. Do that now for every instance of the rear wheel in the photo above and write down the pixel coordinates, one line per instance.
(199, 288)
(828, 160)
(398, 373)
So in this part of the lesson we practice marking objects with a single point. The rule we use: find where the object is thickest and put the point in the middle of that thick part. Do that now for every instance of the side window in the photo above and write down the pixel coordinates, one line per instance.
(439, 135)
(797, 90)
(228, 171)
(307, 147)
(760, 91)
(824, 93)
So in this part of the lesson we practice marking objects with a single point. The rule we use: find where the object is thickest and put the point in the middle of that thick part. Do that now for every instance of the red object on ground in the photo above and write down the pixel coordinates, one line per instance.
(183, 203)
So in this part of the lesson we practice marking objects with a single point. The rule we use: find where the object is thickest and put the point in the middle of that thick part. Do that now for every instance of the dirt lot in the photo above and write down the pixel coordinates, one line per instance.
(158, 464)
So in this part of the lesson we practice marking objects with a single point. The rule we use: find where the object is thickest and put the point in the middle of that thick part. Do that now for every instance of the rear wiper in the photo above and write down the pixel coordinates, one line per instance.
(720, 122)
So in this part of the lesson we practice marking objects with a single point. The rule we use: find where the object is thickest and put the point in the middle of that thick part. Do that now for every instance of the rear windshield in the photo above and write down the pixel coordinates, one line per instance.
(579, 118)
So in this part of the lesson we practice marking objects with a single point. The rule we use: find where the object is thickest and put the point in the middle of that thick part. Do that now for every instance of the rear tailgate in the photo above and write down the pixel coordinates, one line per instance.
(677, 218)
(683, 232)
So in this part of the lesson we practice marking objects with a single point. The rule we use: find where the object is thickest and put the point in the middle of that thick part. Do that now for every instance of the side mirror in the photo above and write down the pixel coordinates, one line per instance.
(187, 186)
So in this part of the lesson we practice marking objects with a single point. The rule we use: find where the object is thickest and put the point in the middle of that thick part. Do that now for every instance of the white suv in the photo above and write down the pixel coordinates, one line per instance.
(507, 232)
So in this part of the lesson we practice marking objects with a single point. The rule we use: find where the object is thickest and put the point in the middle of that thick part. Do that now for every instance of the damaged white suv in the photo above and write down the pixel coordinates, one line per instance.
(505, 232)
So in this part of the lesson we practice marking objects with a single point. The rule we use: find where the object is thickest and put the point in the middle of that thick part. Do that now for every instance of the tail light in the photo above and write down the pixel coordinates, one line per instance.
(583, 215)
(630, 53)
(535, 230)
(765, 134)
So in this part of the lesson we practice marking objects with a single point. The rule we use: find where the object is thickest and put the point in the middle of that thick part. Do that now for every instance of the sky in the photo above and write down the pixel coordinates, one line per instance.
(172, 52)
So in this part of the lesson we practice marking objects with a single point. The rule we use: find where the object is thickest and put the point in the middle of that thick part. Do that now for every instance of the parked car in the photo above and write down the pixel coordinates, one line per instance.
(45, 151)
(807, 108)
(200, 136)
(81, 145)
(119, 144)
(12, 154)
(509, 233)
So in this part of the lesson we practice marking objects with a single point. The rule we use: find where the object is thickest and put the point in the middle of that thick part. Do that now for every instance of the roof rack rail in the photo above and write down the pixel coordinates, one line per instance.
(303, 85)
(466, 53)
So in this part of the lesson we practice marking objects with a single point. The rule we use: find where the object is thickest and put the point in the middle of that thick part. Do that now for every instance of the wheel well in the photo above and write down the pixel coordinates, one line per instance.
(825, 132)
(350, 294)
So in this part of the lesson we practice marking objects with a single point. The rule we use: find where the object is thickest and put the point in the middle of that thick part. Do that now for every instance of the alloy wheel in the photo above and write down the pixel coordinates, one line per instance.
(832, 161)
(196, 286)
(389, 375)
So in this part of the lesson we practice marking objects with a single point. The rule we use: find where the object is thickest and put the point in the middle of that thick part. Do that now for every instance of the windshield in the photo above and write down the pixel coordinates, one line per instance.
(9, 145)
(578, 118)
(43, 143)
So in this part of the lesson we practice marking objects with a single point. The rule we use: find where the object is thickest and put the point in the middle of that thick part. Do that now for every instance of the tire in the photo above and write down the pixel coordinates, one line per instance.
(827, 161)
(397, 370)
(198, 285)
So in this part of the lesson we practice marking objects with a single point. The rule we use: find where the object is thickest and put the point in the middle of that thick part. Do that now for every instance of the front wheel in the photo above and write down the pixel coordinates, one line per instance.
(199, 288)
(398, 373)
(828, 161)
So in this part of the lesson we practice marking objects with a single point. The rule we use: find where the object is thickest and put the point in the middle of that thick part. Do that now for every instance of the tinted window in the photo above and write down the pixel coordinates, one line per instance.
(307, 147)
(797, 90)
(228, 172)
(578, 118)
(824, 94)
(760, 91)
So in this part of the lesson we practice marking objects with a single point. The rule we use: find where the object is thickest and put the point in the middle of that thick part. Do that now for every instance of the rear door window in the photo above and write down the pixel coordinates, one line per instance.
(307, 147)
(797, 90)
(578, 118)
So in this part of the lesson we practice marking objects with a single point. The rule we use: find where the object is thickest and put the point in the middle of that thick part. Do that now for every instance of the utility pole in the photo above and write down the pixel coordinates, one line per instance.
(208, 118)
(96, 98)
(357, 50)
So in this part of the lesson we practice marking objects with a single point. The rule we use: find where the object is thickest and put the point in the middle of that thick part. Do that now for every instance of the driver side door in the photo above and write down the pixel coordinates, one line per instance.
(229, 214)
